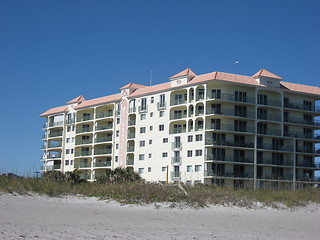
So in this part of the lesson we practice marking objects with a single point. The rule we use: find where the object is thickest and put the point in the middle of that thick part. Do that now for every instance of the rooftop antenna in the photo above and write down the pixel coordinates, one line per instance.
(150, 77)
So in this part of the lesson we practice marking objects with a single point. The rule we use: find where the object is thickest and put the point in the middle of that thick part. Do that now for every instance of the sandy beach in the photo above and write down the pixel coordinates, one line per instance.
(40, 217)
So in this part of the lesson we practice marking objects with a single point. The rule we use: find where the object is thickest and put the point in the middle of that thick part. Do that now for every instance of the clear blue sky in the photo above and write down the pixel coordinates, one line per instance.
(53, 51)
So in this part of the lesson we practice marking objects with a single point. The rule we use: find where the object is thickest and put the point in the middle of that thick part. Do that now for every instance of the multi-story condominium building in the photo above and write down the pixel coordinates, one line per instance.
(215, 128)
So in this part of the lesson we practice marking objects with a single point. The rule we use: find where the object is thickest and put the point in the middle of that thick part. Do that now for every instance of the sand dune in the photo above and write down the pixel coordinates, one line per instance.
(39, 217)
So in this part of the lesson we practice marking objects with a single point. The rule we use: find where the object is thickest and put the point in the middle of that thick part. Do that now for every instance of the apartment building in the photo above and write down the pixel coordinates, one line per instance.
(216, 128)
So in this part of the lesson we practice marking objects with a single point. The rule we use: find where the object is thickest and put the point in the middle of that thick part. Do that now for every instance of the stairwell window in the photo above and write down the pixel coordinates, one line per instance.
(198, 152)
(197, 168)
(161, 127)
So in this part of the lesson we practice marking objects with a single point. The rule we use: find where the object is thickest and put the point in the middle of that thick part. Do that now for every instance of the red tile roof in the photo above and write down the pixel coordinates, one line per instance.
(265, 73)
(54, 111)
(98, 101)
(133, 85)
(228, 77)
(186, 72)
(77, 100)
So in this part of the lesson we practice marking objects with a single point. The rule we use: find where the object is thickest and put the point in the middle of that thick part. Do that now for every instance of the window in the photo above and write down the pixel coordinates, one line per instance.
(72, 151)
(117, 146)
(67, 162)
(150, 155)
(240, 111)
(189, 153)
(73, 128)
(142, 130)
(150, 141)
(190, 138)
(198, 152)
(67, 151)
(189, 168)
(151, 128)
(72, 139)
(117, 133)
(240, 126)
(197, 168)
(116, 159)
(118, 120)
(149, 169)
(69, 129)
(199, 137)
(161, 127)
(151, 114)
(262, 99)
(161, 114)
(68, 140)
(141, 157)
(152, 99)
(142, 143)
(71, 162)
(165, 140)
(143, 104)
(165, 154)
(143, 116)
(141, 170)
(240, 96)
(164, 169)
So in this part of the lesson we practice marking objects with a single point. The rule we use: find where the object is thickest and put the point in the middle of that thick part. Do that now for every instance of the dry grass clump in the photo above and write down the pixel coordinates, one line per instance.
(140, 192)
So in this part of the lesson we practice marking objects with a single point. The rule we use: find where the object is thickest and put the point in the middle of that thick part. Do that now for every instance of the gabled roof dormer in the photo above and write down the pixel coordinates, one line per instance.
(182, 77)
(79, 99)
(130, 88)
(269, 79)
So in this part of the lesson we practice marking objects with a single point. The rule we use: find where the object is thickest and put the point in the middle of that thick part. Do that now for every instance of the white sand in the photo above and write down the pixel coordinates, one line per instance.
(38, 217)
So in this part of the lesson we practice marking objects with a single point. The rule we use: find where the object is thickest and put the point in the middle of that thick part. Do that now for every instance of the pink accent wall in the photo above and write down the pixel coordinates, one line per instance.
(123, 133)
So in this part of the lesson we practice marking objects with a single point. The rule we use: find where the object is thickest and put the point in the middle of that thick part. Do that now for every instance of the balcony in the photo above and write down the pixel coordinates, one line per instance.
(54, 155)
(176, 175)
(132, 109)
(70, 121)
(55, 134)
(161, 105)
(271, 103)
(308, 150)
(273, 162)
(131, 135)
(178, 116)
(298, 106)
(56, 124)
(177, 145)
(302, 135)
(270, 117)
(231, 97)
(102, 139)
(104, 114)
(53, 167)
(176, 160)
(82, 153)
(276, 177)
(84, 130)
(83, 141)
(308, 165)
(199, 112)
(104, 127)
(179, 101)
(131, 122)
(230, 112)
(229, 159)
(229, 144)
(178, 130)
(308, 179)
(102, 151)
(285, 148)
(272, 132)
(200, 97)
(212, 173)
(315, 123)
(229, 127)
(82, 165)
(84, 118)
(143, 108)
(129, 162)
(55, 145)
(130, 149)
(102, 164)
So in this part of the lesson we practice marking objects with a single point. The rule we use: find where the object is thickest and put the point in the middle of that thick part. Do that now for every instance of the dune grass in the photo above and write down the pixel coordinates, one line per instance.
(146, 193)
